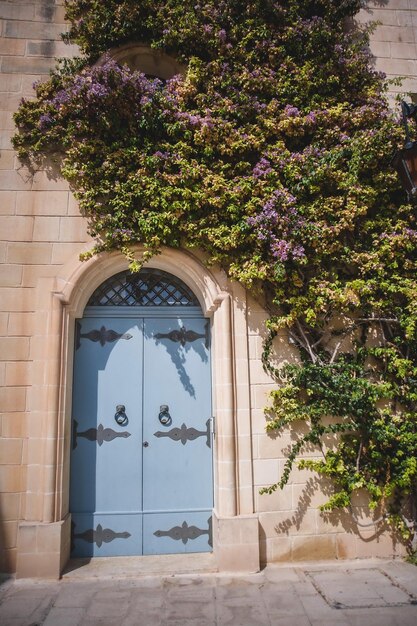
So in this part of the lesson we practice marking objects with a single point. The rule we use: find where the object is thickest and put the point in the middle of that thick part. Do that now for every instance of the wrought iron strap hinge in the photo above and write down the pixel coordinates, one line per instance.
(182, 335)
(99, 434)
(185, 434)
(185, 532)
(102, 336)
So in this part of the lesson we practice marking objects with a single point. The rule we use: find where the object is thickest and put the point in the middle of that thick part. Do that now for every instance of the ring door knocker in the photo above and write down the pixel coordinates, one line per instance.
(120, 415)
(164, 416)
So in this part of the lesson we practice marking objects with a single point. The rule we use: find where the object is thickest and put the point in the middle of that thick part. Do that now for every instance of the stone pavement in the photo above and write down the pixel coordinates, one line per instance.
(345, 593)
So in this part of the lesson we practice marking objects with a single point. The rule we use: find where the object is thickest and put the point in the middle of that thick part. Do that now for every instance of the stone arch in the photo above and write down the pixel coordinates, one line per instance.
(48, 500)
(143, 58)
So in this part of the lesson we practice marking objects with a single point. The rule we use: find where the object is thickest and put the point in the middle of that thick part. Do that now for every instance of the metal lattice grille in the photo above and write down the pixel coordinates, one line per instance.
(149, 287)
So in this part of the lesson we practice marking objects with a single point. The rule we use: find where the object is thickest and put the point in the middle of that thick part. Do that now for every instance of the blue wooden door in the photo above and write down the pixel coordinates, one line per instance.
(141, 464)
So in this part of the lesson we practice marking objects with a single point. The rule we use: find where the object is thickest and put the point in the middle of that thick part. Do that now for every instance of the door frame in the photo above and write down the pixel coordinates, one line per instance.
(62, 299)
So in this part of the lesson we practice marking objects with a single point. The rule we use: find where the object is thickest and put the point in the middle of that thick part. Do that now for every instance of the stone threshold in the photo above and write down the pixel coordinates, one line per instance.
(139, 566)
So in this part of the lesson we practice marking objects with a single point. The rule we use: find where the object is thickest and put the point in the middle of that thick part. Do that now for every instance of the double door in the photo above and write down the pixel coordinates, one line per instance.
(141, 462)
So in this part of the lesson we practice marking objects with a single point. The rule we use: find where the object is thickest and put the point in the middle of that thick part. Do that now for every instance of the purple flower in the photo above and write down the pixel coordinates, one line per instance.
(262, 168)
(291, 111)
(45, 120)
(222, 35)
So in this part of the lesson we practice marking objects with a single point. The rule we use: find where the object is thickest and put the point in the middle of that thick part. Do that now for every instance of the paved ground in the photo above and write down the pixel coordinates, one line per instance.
(347, 593)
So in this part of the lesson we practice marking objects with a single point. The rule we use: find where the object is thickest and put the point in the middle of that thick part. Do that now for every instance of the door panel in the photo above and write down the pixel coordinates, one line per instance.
(106, 458)
(177, 532)
(177, 464)
(101, 534)
(141, 487)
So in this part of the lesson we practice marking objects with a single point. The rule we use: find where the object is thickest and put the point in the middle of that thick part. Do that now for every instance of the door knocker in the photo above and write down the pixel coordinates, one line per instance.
(120, 416)
(164, 416)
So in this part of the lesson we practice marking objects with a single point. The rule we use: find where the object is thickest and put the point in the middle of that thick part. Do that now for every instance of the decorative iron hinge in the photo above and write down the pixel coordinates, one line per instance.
(98, 536)
(183, 335)
(185, 434)
(102, 336)
(185, 532)
(99, 434)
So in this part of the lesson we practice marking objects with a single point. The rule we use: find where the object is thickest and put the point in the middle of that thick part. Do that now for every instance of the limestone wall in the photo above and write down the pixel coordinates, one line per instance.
(394, 40)
(41, 230)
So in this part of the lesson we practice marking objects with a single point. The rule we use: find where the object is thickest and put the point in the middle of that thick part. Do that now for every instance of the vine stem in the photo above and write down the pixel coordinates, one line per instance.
(306, 343)
(358, 458)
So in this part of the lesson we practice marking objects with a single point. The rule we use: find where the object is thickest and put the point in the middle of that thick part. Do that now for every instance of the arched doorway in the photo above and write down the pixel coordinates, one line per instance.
(141, 460)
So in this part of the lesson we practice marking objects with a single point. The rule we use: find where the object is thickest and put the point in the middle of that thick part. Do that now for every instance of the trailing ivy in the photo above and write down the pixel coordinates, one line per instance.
(272, 154)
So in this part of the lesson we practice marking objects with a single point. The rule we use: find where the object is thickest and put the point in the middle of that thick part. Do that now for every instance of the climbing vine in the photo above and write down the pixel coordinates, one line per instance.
(271, 153)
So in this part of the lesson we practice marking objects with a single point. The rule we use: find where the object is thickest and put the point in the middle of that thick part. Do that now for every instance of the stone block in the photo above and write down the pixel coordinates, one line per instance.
(10, 275)
(14, 348)
(45, 181)
(265, 471)
(287, 523)
(14, 180)
(6, 120)
(46, 229)
(24, 29)
(14, 425)
(274, 445)
(73, 206)
(10, 506)
(53, 203)
(13, 47)
(20, 324)
(13, 398)
(315, 548)
(12, 478)
(276, 550)
(40, 547)
(73, 229)
(346, 547)
(393, 34)
(39, 253)
(4, 321)
(16, 11)
(397, 67)
(48, 48)
(6, 149)
(6, 156)
(10, 452)
(257, 374)
(33, 273)
(16, 299)
(49, 12)
(28, 83)
(10, 82)
(260, 395)
(9, 101)
(16, 228)
(401, 50)
(236, 543)
(279, 500)
(18, 373)
(27, 65)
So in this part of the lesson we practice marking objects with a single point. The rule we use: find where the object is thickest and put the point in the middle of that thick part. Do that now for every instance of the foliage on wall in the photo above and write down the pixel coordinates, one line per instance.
(272, 154)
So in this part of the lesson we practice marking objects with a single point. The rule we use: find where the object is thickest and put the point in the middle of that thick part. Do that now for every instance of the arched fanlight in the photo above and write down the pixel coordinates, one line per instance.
(149, 287)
